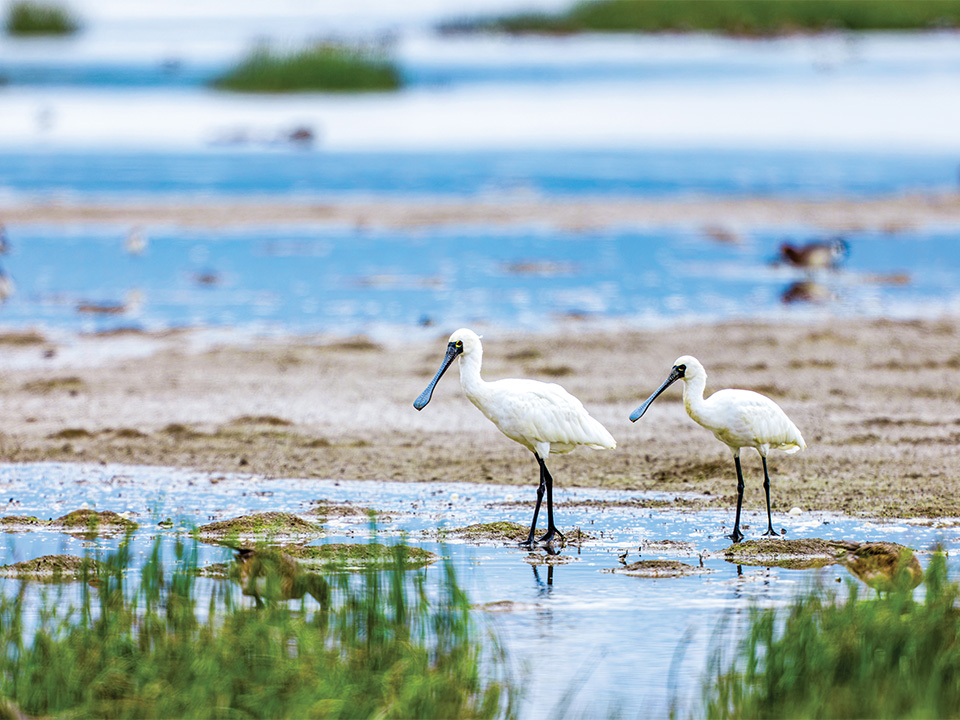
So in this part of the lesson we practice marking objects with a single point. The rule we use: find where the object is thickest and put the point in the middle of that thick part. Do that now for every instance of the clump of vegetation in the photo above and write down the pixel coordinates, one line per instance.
(503, 531)
(380, 645)
(660, 569)
(266, 524)
(364, 555)
(71, 384)
(739, 17)
(26, 17)
(94, 522)
(327, 68)
(50, 568)
(887, 657)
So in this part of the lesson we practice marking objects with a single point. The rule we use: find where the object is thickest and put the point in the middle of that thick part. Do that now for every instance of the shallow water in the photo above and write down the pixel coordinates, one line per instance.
(611, 637)
(391, 282)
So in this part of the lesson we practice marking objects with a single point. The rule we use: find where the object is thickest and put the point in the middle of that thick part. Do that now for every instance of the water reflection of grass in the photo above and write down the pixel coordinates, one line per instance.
(377, 647)
(33, 18)
(745, 17)
(327, 67)
(884, 657)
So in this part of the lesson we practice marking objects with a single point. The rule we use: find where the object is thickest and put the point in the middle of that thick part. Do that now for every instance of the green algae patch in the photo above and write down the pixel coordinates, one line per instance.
(800, 554)
(362, 556)
(93, 522)
(261, 525)
(326, 510)
(70, 384)
(660, 569)
(502, 531)
(51, 568)
(17, 523)
(269, 420)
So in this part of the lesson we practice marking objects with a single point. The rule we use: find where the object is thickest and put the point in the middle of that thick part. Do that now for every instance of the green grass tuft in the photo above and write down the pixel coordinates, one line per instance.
(885, 657)
(389, 645)
(738, 17)
(34, 18)
(324, 68)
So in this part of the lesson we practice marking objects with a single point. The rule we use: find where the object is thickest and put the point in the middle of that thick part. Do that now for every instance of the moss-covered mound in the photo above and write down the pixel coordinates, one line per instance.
(535, 558)
(261, 525)
(17, 523)
(660, 569)
(360, 555)
(327, 509)
(800, 554)
(94, 522)
(501, 531)
(50, 568)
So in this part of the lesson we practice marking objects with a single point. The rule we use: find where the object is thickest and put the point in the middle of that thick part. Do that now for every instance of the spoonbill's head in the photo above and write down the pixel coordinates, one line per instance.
(685, 367)
(462, 342)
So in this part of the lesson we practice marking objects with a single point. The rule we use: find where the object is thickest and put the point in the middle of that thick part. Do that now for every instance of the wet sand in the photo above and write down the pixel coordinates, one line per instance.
(878, 403)
(721, 215)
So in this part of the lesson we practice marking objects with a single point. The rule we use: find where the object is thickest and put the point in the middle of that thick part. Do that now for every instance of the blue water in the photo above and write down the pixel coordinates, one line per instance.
(615, 638)
(647, 173)
(347, 280)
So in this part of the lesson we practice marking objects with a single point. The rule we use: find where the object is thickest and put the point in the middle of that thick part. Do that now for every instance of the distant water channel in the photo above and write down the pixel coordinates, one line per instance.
(624, 643)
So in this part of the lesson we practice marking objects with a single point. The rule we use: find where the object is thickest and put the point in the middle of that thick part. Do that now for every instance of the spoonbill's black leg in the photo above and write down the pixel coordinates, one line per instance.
(551, 528)
(536, 510)
(766, 489)
(736, 535)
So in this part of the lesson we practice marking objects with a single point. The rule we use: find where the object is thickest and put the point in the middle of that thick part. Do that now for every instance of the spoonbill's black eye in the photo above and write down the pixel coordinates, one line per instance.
(682, 369)
(459, 343)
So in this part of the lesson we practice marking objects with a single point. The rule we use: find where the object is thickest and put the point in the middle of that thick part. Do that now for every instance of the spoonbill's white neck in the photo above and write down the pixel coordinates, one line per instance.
(470, 379)
(693, 401)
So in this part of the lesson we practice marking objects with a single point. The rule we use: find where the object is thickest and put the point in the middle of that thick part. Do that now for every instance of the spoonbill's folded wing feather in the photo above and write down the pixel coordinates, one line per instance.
(752, 418)
(529, 411)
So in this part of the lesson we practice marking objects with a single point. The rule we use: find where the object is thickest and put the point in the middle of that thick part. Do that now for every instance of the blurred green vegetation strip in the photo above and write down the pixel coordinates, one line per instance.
(386, 644)
(886, 657)
(739, 17)
(32, 18)
(330, 68)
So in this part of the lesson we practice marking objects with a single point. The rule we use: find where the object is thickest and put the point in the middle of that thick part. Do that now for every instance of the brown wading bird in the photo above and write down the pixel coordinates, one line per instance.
(884, 566)
(815, 255)
(277, 576)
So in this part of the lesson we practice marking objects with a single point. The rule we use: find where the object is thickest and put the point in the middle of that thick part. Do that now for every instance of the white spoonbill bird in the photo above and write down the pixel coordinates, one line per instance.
(543, 417)
(738, 418)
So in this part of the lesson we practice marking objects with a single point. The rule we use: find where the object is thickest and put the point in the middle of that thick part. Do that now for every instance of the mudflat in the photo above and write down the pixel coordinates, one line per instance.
(878, 403)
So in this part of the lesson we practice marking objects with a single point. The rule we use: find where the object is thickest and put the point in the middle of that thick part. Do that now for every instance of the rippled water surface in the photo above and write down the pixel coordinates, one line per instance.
(621, 642)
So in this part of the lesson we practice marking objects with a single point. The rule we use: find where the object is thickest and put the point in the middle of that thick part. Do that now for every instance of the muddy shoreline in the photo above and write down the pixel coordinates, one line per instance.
(720, 216)
(878, 403)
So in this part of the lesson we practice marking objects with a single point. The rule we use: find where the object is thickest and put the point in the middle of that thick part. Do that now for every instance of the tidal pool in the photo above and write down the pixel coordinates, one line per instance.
(582, 641)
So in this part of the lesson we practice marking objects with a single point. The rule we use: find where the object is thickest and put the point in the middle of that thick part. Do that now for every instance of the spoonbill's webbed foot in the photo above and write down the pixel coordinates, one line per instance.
(771, 531)
(550, 534)
(528, 543)
(736, 535)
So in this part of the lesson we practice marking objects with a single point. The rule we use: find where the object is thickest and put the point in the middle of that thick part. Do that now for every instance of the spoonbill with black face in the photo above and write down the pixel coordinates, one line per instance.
(738, 418)
(543, 417)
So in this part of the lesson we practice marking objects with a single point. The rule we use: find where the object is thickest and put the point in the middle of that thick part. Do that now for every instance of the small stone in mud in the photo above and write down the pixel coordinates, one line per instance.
(660, 569)
(268, 524)
(503, 531)
(362, 555)
(94, 522)
(50, 567)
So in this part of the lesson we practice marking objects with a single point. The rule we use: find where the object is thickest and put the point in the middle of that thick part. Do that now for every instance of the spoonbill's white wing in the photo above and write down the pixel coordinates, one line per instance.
(531, 412)
(743, 418)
